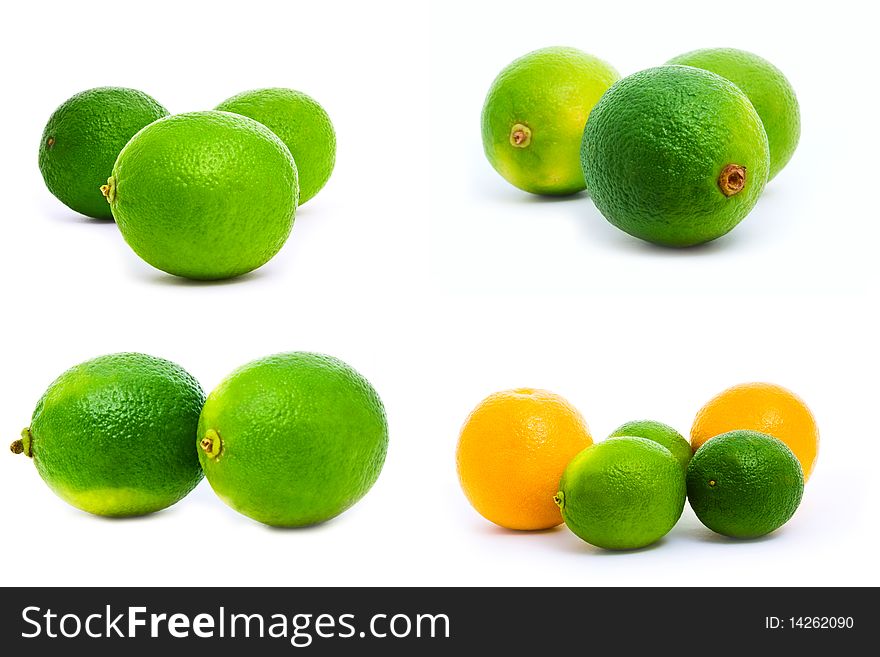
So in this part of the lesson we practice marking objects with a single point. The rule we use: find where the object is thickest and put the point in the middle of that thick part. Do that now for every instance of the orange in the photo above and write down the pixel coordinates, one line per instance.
(763, 407)
(512, 451)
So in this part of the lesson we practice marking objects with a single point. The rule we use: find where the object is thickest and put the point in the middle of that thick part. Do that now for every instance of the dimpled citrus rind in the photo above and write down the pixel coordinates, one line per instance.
(113, 436)
(205, 195)
(744, 484)
(622, 494)
(82, 139)
(550, 91)
(654, 150)
(301, 123)
(303, 438)
(766, 87)
(512, 450)
(660, 433)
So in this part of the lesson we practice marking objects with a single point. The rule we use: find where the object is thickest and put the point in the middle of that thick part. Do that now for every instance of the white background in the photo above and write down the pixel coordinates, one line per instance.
(421, 267)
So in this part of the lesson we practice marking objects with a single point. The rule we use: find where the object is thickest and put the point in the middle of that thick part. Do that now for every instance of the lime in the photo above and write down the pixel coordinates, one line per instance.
(661, 434)
(768, 89)
(301, 123)
(744, 484)
(622, 494)
(82, 139)
(204, 195)
(534, 116)
(675, 155)
(114, 435)
(293, 439)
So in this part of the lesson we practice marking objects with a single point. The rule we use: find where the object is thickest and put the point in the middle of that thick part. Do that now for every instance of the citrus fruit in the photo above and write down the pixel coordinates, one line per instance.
(114, 435)
(660, 433)
(204, 195)
(675, 155)
(82, 139)
(292, 439)
(512, 450)
(301, 123)
(763, 407)
(744, 484)
(534, 116)
(770, 92)
(622, 494)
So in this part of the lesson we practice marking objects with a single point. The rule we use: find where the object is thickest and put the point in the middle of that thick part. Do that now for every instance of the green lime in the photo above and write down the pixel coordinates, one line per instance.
(744, 484)
(301, 123)
(622, 494)
(204, 195)
(534, 116)
(661, 434)
(768, 89)
(675, 155)
(293, 439)
(114, 435)
(82, 139)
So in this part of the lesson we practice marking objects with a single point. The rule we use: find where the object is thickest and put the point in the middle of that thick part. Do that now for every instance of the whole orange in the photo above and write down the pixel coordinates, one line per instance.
(512, 451)
(763, 407)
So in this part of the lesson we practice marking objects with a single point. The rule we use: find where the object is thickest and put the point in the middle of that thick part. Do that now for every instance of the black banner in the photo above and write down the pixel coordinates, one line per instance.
(435, 621)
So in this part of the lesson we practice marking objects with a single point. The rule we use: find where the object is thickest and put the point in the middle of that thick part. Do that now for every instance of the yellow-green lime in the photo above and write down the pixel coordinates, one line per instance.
(114, 435)
(766, 86)
(293, 439)
(301, 123)
(744, 484)
(82, 139)
(534, 116)
(675, 155)
(622, 494)
(204, 195)
(660, 433)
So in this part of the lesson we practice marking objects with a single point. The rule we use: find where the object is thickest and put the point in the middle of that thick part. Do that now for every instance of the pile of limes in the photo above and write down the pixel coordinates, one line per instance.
(526, 461)
(676, 155)
(203, 195)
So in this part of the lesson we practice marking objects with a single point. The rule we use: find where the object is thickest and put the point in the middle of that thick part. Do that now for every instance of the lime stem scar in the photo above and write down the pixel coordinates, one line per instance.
(732, 179)
(520, 136)
(109, 190)
(211, 443)
(559, 499)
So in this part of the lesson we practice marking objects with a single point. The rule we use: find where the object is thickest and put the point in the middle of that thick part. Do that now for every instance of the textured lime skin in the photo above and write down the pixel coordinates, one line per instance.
(660, 433)
(758, 484)
(114, 435)
(82, 139)
(301, 123)
(622, 494)
(550, 91)
(655, 147)
(204, 195)
(770, 92)
(303, 437)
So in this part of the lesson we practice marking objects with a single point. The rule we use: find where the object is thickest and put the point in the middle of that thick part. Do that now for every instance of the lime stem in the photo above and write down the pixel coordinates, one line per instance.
(24, 444)
(109, 190)
(559, 499)
(520, 136)
(211, 444)
(732, 179)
